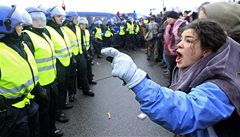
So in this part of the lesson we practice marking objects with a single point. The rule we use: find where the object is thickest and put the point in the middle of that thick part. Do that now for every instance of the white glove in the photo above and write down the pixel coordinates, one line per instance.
(124, 68)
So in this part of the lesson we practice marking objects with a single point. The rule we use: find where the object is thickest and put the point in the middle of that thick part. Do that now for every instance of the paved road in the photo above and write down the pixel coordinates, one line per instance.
(89, 116)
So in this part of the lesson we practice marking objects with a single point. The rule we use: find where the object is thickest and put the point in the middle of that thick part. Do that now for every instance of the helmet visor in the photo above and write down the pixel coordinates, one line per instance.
(16, 17)
(83, 21)
(26, 17)
(57, 11)
(39, 19)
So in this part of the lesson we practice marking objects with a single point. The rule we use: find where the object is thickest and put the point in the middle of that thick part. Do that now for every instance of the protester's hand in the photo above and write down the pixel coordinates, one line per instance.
(124, 67)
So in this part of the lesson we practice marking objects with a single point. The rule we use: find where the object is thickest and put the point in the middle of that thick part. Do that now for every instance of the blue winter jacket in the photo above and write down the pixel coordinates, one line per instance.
(183, 113)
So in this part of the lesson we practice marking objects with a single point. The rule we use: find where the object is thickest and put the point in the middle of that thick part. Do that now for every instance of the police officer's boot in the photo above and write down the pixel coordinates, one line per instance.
(56, 133)
(67, 105)
(61, 117)
(71, 97)
(92, 82)
(99, 56)
(88, 93)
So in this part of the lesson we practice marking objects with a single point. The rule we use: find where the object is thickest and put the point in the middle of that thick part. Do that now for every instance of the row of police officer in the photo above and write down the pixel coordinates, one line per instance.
(38, 67)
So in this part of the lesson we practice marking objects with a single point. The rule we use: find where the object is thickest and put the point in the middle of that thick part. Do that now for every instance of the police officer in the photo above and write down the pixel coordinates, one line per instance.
(74, 34)
(122, 33)
(137, 33)
(71, 20)
(108, 33)
(97, 38)
(130, 35)
(85, 39)
(42, 48)
(55, 17)
(19, 75)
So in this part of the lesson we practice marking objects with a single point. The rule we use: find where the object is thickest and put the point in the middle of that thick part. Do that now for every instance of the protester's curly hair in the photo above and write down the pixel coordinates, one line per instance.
(210, 33)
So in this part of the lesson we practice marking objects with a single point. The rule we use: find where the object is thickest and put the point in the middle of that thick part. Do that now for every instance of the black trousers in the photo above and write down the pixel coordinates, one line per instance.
(44, 118)
(22, 122)
(89, 70)
(52, 92)
(72, 76)
(122, 41)
(160, 49)
(171, 63)
(82, 73)
(108, 42)
(130, 41)
(98, 45)
(61, 86)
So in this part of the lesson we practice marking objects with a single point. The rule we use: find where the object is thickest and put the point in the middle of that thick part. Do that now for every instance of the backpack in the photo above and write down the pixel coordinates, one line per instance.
(148, 36)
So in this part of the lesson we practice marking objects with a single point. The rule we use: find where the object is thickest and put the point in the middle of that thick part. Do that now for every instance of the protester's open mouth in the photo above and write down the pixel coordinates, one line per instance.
(179, 57)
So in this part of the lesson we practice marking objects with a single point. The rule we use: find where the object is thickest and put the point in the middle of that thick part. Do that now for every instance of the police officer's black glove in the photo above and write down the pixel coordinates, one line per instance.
(73, 60)
(3, 104)
(40, 94)
(54, 89)
(90, 57)
(86, 54)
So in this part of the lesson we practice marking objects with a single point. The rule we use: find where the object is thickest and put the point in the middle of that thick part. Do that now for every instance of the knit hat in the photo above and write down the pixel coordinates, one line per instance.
(173, 14)
(227, 14)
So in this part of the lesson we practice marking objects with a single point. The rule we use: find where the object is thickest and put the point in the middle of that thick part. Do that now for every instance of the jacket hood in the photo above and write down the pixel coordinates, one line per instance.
(227, 14)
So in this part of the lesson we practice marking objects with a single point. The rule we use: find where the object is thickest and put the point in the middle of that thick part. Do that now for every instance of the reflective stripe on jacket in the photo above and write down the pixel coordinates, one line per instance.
(108, 33)
(122, 32)
(17, 74)
(45, 58)
(75, 39)
(86, 39)
(98, 34)
(61, 47)
(137, 29)
(130, 28)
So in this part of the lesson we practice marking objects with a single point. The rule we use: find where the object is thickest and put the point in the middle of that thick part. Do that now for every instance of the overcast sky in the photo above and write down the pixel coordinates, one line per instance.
(140, 6)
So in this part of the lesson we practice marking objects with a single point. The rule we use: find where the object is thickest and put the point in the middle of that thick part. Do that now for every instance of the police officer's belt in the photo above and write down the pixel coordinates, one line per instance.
(4, 102)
